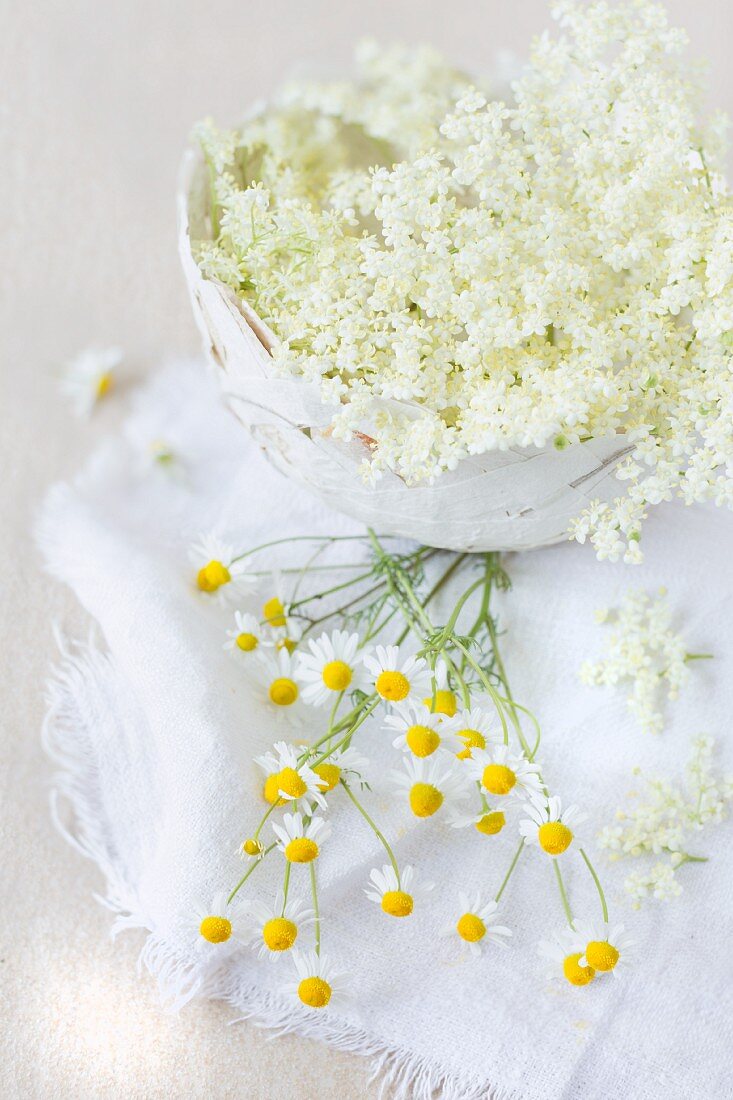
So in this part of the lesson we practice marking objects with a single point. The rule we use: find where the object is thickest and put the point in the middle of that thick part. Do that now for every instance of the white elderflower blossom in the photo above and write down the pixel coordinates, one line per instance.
(644, 651)
(664, 823)
(478, 275)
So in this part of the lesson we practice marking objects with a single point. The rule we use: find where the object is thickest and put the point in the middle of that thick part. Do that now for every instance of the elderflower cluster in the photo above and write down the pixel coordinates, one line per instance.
(663, 824)
(459, 274)
(456, 762)
(645, 652)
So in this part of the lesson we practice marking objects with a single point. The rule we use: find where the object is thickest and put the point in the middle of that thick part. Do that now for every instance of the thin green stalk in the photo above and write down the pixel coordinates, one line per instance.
(563, 894)
(314, 892)
(249, 871)
(286, 884)
(377, 832)
(599, 888)
(509, 873)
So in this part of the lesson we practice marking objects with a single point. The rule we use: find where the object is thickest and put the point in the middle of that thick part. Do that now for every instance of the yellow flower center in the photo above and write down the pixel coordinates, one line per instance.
(337, 675)
(445, 703)
(279, 934)
(393, 686)
(554, 837)
(274, 612)
(286, 643)
(291, 783)
(213, 576)
(104, 384)
(314, 992)
(301, 850)
(576, 974)
(471, 928)
(492, 823)
(601, 955)
(329, 774)
(283, 691)
(271, 790)
(425, 799)
(422, 741)
(397, 903)
(498, 779)
(247, 642)
(472, 739)
(252, 847)
(216, 929)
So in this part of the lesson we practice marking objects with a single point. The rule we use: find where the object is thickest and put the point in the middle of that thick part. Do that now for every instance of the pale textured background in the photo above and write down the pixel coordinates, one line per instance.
(97, 101)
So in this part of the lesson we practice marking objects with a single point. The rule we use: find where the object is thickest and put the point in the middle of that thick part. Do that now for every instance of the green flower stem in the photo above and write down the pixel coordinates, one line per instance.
(249, 871)
(377, 832)
(596, 880)
(305, 538)
(510, 872)
(314, 892)
(286, 885)
(563, 893)
(496, 699)
(346, 741)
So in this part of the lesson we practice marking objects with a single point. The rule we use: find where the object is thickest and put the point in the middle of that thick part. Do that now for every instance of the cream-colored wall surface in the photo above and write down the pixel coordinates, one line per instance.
(96, 102)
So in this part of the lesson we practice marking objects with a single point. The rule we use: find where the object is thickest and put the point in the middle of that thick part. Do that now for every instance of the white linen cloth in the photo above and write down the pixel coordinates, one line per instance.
(155, 728)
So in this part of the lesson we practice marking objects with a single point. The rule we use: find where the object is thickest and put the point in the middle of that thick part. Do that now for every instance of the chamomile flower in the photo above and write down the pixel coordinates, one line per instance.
(549, 826)
(396, 896)
(419, 730)
(319, 982)
(503, 773)
(606, 946)
(563, 954)
(487, 822)
(475, 923)
(285, 630)
(396, 677)
(333, 665)
(251, 848)
(300, 842)
(218, 924)
(474, 729)
(345, 764)
(218, 569)
(287, 778)
(89, 378)
(429, 784)
(441, 699)
(275, 674)
(273, 930)
(247, 636)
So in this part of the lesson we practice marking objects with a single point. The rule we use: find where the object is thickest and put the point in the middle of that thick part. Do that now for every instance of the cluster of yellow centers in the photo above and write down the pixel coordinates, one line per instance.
(397, 903)
(472, 739)
(425, 799)
(288, 781)
(471, 928)
(216, 929)
(491, 823)
(314, 992)
(301, 850)
(283, 691)
(279, 934)
(498, 779)
(337, 675)
(393, 686)
(213, 576)
(554, 837)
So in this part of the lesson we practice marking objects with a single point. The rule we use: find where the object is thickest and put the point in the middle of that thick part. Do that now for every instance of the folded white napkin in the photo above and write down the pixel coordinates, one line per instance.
(155, 729)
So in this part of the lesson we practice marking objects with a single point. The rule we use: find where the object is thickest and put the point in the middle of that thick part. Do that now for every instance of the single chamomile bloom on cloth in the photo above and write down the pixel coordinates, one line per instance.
(89, 378)
(441, 700)
(475, 923)
(274, 929)
(474, 729)
(346, 764)
(419, 730)
(429, 784)
(275, 674)
(606, 946)
(319, 982)
(563, 954)
(300, 842)
(334, 665)
(394, 676)
(289, 779)
(218, 569)
(502, 772)
(247, 636)
(219, 925)
(549, 826)
(487, 822)
(396, 896)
